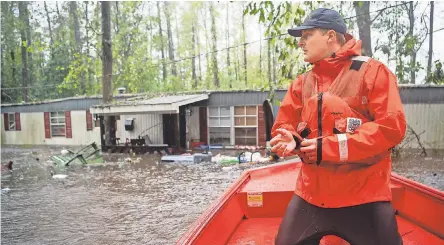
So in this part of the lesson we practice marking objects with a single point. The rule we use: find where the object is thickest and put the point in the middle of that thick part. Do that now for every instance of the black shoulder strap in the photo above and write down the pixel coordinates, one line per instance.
(357, 62)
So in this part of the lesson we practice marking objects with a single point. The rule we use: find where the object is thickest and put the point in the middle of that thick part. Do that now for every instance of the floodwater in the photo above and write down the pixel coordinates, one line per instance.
(118, 202)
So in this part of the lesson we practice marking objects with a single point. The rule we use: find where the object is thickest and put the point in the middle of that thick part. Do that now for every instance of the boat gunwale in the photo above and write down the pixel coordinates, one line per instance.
(209, 214)
(205, 218)
(427, 190)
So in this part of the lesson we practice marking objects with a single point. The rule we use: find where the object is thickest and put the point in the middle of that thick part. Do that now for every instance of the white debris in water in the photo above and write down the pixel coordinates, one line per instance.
(133, 160)
(227, 168)
(224, 159)
(5, 190)
(59, 176)
(250, 157)
(64, 152)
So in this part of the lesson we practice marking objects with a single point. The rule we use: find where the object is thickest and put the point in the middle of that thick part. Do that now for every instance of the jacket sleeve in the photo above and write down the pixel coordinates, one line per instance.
(290, 110)
(374, 137)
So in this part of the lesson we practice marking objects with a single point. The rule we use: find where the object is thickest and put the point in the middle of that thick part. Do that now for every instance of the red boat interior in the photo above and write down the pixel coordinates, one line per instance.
(231, 220)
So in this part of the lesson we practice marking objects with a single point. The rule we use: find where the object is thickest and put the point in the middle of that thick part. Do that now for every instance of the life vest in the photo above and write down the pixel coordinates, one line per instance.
(341, 109)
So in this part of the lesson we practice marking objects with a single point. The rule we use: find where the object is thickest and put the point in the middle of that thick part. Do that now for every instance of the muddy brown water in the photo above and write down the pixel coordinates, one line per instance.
(146, 202)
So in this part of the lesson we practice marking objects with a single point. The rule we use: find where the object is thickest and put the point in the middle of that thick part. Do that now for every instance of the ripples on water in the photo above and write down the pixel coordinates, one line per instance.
(119, 203)
(115, 203)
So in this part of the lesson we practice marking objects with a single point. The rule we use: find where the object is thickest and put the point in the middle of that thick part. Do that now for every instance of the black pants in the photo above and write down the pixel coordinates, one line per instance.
(367, 224)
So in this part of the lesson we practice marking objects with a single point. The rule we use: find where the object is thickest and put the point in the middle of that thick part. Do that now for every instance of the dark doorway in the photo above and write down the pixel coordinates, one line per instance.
(102, 130)
(182, 127)
(112, 128)
(170, 129)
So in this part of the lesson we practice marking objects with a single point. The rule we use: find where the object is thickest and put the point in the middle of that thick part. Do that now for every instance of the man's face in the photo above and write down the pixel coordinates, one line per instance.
(314, 45)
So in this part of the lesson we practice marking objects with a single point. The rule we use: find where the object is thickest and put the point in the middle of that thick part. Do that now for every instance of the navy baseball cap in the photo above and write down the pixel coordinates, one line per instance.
(321, 18)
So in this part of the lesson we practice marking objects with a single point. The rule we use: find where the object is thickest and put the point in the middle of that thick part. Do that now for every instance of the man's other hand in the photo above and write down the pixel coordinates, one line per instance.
(308, 148)
(283, 144)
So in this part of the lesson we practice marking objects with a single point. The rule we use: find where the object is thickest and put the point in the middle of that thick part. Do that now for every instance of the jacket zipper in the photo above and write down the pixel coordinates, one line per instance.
(319, 140)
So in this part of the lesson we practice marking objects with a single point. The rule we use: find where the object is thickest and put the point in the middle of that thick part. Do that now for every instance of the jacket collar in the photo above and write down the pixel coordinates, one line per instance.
(331, 66)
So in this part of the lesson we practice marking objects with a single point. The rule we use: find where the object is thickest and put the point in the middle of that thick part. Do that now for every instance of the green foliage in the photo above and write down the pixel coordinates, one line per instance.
(437, 75)
(62, 66)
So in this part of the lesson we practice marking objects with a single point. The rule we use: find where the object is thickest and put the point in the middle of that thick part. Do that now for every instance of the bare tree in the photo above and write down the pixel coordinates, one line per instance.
(417, 43)
(78, 42)
(87, 44)
(228, 46)
(162, 48)
(245, 49)
(51, 37)
(214, 54)
(269, 57)
(170, 38)
(193, 61)
(362, 9)
(23, 14)
(107, 66)
(429, 61)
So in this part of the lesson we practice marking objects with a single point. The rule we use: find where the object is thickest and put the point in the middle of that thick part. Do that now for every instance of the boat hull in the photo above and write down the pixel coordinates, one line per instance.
(251, 210)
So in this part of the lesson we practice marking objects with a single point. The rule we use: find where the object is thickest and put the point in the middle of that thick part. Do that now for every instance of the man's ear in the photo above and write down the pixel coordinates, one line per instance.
(331, 35)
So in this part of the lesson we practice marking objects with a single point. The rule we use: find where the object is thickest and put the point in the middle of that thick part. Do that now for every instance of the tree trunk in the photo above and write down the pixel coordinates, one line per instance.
(207, 48)
(274, 68)
(270, 82)
(107, 67)
(196, 34)
(179, 64)
(228, 47)
(117, 17)
(260, 51)
(362, 9)
(51, 38)
(164, 71)
(413, 51)
(14, 69)
(236, 65)
(214, 54)
(78, 41)
(429, 61)
(15, 79)
(58, 12)
(170, 38)
(87, 44)
(23, 15)
(151, 36)
(245, 50)
(29, 41)
(193, 61)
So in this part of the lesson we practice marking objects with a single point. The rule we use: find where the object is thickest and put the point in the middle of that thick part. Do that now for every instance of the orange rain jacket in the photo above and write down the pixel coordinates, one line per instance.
(351, 104)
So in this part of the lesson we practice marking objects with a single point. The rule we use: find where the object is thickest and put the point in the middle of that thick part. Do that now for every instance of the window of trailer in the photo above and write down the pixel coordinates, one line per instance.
(11, 120)
(235, 125)
(245, 123)
(219, 125)
(58, 124)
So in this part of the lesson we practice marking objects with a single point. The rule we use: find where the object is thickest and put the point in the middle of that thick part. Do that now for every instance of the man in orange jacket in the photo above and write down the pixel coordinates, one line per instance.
(342, 118)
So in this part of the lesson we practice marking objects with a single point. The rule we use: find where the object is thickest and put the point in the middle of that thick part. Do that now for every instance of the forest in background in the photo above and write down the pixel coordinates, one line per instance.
(54, 50)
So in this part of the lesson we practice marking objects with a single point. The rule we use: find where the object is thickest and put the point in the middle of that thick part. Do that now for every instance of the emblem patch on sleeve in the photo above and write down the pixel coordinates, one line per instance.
(340, 124)
(353, 124)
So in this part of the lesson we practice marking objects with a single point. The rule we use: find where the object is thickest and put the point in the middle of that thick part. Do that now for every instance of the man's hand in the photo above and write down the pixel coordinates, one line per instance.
(283, 144)
(309, 149)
